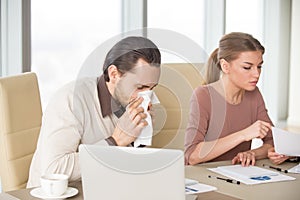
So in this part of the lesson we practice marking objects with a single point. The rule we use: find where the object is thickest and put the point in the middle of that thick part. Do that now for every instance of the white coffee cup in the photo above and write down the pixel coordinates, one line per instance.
(54, 185)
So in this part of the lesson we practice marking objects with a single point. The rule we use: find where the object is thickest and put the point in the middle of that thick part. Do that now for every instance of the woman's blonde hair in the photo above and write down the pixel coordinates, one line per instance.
(230, 46)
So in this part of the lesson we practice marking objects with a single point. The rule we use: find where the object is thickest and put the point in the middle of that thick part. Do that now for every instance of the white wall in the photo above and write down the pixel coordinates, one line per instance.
(294, 92)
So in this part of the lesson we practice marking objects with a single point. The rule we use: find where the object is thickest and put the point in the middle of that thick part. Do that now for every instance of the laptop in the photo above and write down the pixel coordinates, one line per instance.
(285, 142)
(131, 173)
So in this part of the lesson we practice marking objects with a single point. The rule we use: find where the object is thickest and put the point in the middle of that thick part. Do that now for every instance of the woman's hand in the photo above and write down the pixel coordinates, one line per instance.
(244, 158)
(258, 129)
(275, 157)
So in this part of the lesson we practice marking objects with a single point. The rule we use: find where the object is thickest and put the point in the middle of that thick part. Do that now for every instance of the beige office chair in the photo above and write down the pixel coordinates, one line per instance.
(20, 121)
(174, 91)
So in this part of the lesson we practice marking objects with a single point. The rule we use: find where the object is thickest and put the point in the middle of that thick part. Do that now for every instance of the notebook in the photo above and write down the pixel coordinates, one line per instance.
(285, 142)
(131, 173)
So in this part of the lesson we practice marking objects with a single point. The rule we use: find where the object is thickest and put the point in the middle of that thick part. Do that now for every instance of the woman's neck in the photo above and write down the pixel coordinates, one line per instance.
(229, 91)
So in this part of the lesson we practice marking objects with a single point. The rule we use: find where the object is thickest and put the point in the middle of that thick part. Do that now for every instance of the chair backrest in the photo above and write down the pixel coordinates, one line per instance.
(175, 88)
(20, 122)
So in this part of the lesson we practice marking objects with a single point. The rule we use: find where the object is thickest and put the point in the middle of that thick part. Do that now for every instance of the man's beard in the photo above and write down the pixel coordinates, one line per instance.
(119, 97)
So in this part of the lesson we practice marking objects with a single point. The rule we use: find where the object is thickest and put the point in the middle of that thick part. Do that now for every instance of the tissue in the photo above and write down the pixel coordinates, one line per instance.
(145, 138)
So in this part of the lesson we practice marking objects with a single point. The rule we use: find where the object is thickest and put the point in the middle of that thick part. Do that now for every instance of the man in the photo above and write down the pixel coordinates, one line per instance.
(103, 110)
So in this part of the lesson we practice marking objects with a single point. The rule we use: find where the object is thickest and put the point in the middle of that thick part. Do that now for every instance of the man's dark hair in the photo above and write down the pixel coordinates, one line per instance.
(125, 54)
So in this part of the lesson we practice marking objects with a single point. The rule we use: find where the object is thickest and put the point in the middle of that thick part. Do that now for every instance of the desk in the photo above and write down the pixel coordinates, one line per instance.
(25, 194)
(226, 191)
(278, 190)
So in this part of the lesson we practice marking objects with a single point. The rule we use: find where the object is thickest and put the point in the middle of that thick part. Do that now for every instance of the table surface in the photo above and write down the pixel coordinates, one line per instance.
(277, 190)
(226, 191)
(25, 194)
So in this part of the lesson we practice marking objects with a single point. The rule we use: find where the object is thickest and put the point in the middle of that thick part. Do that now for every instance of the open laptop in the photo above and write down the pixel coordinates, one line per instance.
(285, 142)
(131, 173)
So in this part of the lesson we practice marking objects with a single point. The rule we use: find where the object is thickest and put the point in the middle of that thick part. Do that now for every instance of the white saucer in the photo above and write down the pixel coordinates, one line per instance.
(39, 193)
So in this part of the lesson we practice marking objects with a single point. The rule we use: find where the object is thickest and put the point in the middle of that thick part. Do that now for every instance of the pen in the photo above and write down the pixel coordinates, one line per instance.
(277, 168)
(225, 179)
(188, 189)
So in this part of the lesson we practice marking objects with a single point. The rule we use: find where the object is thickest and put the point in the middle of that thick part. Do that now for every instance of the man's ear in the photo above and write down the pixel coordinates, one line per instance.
(224, 66)
(113, 73)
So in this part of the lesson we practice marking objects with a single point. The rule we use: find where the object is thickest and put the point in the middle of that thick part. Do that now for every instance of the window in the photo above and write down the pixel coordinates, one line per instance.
(245, 16)
(64, 33)
(183, 17)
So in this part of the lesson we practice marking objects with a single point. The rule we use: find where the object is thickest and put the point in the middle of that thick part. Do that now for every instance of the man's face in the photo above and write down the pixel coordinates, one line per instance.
(142, 77)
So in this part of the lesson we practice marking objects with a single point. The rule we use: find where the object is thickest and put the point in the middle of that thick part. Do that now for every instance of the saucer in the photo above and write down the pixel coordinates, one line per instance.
(39, 193)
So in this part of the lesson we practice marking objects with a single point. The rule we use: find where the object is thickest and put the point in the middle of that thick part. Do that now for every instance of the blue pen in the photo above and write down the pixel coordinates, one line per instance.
(188, 189)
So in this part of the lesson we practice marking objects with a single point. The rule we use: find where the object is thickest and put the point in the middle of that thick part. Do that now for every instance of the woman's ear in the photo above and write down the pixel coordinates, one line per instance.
(224, 66)
(113, 73)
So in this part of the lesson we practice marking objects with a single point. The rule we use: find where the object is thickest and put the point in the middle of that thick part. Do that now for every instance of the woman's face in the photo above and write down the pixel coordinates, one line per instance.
(244, 72)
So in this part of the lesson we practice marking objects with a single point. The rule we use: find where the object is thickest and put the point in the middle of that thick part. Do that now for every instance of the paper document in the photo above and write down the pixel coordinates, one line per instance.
(190, 182)
(295, 169)
(251, 175)
(285, 142)
(194, 187)
(199, 188)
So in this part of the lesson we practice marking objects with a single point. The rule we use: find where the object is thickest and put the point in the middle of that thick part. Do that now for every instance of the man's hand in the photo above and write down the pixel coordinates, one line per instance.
(130, 123)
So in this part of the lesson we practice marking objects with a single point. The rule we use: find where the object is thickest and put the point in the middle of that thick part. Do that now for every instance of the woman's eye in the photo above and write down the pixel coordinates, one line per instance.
(247, 68)
(259, 67)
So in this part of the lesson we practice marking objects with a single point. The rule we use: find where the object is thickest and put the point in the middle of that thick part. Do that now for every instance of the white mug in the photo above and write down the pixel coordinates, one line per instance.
(54, 185)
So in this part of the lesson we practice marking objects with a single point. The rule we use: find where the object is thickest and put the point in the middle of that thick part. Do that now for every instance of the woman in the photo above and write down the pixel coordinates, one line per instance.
(229, 111)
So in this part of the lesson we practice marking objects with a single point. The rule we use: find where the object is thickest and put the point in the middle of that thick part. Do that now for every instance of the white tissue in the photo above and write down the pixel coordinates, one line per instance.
(145, 138)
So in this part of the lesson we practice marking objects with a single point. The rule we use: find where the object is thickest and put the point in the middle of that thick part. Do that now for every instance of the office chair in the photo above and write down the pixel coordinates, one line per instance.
(20, 122)
(175, 88)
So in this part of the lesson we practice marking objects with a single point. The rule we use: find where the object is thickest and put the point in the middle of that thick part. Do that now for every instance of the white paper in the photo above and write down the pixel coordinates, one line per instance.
(247, 172)
(190, 182)
(145, 138)
(198, 188)
(244, 174)
(285, 142)
(295, 169)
